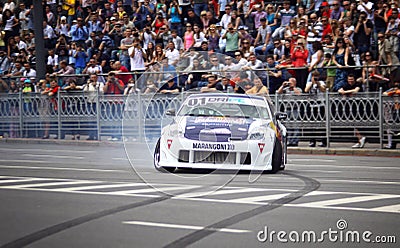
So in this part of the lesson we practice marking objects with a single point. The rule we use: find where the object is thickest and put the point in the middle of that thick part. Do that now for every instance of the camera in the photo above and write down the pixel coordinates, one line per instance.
(285, 84)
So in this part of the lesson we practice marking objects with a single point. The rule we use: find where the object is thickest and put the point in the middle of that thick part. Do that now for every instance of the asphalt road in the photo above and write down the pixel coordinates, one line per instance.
(110, 196)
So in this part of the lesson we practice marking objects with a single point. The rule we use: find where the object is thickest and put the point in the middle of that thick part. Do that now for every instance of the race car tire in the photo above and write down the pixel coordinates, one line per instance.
(156, 158)
(276, 157)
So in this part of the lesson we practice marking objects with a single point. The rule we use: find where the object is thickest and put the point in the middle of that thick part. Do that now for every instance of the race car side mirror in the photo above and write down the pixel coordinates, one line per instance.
(280, 116)
(170, 112)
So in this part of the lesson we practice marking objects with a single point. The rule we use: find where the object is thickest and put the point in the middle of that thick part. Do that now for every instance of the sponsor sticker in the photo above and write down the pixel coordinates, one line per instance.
(209, 146)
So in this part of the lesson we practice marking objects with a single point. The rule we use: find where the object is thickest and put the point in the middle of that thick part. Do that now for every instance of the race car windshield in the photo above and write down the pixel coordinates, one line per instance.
(225, 110)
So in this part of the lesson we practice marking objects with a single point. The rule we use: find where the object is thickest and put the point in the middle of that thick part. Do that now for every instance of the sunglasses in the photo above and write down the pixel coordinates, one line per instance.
(246, 43)
(214, 60)
(381, 37)
(344, 5)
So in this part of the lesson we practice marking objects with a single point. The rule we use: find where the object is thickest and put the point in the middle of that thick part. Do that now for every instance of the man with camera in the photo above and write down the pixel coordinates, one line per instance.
(114, 86)
(362, 33)
(93, 88)
(290, 90)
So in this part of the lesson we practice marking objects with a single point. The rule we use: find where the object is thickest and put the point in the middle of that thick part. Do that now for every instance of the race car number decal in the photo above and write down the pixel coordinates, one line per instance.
(223, 147)
(204, 100)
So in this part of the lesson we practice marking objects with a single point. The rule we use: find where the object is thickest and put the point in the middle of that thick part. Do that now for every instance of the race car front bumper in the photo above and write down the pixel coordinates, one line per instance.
(234, 155)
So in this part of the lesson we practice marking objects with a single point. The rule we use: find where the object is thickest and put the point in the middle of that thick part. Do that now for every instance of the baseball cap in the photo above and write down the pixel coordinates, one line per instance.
(63, 18)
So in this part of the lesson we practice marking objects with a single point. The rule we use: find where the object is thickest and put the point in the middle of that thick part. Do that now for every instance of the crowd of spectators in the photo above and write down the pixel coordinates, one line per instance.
(276, 40)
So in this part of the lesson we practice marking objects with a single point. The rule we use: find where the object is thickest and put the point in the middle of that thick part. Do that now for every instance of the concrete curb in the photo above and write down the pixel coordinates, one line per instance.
(345, 151)
(291, 150)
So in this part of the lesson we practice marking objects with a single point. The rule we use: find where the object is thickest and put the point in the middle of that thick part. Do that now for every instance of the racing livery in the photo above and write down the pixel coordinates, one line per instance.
(223, 131)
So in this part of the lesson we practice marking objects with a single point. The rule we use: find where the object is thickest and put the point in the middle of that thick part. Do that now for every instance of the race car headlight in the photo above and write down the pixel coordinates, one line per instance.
(174, 132)
(257, 134)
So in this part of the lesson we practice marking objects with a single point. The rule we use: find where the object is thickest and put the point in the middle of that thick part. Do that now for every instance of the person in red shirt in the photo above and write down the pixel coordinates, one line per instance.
(299, 59)
(113, 106)
(119, 68)
(325, 10)
(326, 27)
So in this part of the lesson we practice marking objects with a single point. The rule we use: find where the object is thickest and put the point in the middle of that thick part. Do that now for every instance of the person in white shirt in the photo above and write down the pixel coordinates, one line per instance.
(136, 55)
(172, 54)
(52, 60)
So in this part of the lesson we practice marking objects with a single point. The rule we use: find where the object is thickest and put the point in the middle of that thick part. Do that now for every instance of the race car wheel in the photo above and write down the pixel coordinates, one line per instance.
(276, 157)
(156, 159)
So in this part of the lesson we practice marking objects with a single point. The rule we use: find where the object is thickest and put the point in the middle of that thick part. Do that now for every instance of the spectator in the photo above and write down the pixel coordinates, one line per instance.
(136, 56)
(212, 84)
(257, 13)
(80, 59)
(263, 40)
(393, 115)
(285, 15)
(316, 88)
(368, 73)
(274, 75)
(125, 44)
(93, 88)
(9, 23)
(258, 88)
(232, 40)
(64, 71)
(188, 38)
(178, 42)
(340, 58)
(79, 33)
(175, 12)
(257, 67)
(52, 60)
(172, 54)
(213, 38)
(170, 87)
(289, 89)
(299, 57)
(388, 57)
(29, 72)
(194, 79)
(118, 70)
(114, 86)
(199, 6)
(362, 33)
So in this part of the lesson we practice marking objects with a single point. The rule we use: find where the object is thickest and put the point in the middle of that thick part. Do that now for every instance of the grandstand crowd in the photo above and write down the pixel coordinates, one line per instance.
(276, 40)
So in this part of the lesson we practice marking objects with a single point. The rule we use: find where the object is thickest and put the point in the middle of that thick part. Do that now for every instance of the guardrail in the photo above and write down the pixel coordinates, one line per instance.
(141, 116)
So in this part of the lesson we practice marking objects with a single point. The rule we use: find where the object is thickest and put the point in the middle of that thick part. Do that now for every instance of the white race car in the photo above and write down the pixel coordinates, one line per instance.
(223, 131)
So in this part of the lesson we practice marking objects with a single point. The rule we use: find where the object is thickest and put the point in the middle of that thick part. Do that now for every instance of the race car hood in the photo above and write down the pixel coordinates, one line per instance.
(216, 129)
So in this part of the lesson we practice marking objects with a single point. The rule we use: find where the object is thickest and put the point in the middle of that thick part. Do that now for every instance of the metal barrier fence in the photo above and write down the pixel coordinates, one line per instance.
(141, 116)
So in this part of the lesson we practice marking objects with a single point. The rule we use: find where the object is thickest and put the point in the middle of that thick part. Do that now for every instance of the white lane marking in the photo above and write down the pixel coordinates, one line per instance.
(18, 180)
(24, 161)
(108, 186)
(222, 192)
(311, 160)
(33, 185)
(151, 190)
(189, 227)
(337, 208)
(56, 168)
(42, 150)
(359, 181)
(348, 200)
(51, 156)
(344, 166)
(261, 198)
(391, 208)
(319, 171)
